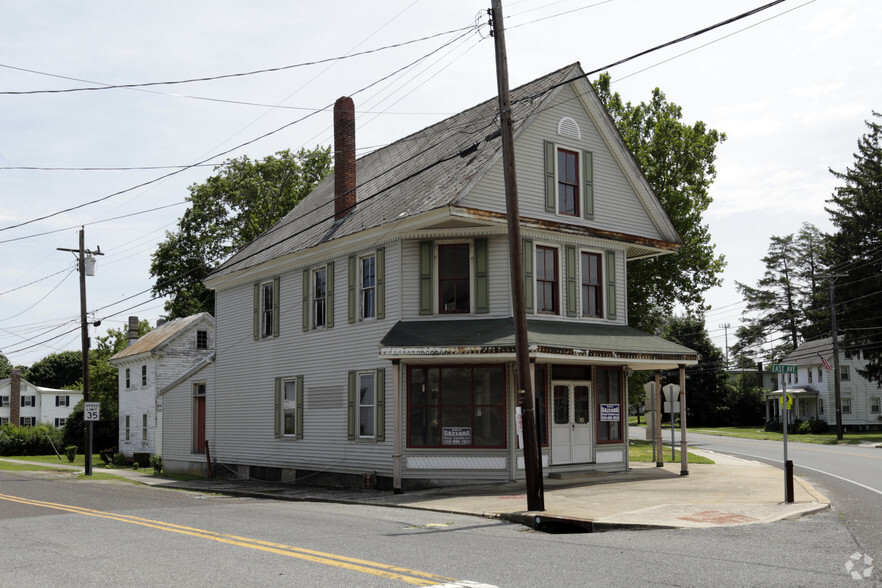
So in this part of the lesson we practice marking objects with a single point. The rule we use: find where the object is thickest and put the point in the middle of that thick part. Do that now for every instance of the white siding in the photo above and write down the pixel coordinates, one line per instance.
(616, 207)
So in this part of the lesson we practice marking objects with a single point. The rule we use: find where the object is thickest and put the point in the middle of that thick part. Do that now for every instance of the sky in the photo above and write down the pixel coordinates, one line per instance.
(791, 87)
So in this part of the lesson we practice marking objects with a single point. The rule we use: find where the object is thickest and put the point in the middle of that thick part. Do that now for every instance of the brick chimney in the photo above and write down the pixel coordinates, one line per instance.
(344, 157)
(133, 330)
(14, 397)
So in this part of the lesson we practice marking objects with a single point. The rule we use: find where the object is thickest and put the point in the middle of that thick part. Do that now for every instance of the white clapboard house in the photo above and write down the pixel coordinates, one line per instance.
(366, 338)
(24, 404)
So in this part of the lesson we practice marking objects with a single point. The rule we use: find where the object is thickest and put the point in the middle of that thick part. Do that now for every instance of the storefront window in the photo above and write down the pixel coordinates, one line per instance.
(609, 405)
(456, 406)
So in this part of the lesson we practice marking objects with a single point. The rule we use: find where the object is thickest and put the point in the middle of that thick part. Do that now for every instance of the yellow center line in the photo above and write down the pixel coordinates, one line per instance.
(409, 576)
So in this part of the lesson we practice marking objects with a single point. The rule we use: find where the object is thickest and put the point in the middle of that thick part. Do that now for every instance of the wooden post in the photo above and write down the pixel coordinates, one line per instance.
(684, 458)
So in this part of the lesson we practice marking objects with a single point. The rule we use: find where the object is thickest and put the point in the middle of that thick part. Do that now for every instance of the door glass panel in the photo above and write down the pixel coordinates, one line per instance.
(581, 404)
(561, 405)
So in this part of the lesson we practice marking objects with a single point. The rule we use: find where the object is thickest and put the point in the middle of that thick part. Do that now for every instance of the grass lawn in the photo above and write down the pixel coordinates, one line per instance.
(53, 459)
(23, 467)
(639, 450)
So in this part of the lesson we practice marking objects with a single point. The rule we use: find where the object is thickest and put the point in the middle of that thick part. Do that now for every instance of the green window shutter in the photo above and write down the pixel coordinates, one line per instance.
(611, 284)
(425, 277)
(381, 405)
(278, 411)
(550, 177)
(572, 284)
(380, 272)
(306, 300)
(300, 407)
(329, 321)
(350, 407)
(256, 312)
(482, 279)
(352, 277)
(277, 304)
(588, 187)
(528, 274)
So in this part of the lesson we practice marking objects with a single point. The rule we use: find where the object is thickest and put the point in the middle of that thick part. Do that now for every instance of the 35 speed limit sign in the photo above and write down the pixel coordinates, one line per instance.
(91, 411)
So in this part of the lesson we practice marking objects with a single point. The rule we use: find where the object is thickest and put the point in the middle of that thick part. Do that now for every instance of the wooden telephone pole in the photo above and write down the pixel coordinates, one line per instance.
(84, 336)
(532, 464)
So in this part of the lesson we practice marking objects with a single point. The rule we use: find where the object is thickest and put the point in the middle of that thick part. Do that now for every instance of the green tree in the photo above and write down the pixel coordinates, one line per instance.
(786, 305)
(678, 161)
(855, 209)
(705, 382)
(242, 200)
(5, 366)
(57, 370)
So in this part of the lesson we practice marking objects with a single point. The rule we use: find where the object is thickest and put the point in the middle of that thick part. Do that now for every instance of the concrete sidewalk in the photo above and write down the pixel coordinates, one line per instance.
(730, 492)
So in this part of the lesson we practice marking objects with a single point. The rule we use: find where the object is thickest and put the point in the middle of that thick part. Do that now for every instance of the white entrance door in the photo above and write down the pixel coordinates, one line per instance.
(571, 427)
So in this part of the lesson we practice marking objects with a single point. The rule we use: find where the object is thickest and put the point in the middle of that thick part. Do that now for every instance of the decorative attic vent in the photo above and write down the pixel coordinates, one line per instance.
(567, 127)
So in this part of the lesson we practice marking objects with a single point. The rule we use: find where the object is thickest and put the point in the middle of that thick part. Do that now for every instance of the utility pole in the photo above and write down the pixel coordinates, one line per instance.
(725, 327)
(532, 464)
(837, 397)
(84, 336)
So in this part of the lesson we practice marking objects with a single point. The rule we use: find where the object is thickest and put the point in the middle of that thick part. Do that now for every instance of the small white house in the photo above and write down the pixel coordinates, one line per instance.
(146, 366)
(25, 404)
(812, 388)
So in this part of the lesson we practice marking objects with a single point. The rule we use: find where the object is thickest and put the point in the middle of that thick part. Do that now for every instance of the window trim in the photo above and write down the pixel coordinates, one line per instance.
(362, 289)
(199, 392)
(600, 285)
(556, 289)
(585, 179)
(279, 411)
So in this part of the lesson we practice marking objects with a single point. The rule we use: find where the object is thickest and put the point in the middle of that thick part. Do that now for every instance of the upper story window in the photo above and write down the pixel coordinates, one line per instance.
(809, 372)
(267, 306)
(368, 287)
(143, 375)
(62, 401)
(319, 297)
(567, 182)
(592, 285)
(201, 339)
(453, 278)
(4, 400)
(29, 401)
(820, 374)
(128, 378)
(844, 374)
(547, 280)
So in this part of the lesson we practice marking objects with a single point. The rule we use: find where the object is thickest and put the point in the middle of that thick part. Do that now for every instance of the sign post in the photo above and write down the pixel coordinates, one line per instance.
(786, 402)
(672, 391)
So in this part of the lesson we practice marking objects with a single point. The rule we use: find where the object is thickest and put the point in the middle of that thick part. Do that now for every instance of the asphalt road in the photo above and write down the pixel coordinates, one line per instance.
(56, 531)
(849, 475)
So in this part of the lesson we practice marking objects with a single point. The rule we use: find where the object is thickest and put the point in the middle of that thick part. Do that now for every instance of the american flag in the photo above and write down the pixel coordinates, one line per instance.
(826, 363)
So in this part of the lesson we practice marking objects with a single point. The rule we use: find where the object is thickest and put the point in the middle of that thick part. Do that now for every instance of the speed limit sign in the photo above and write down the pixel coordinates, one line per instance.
(91, 411)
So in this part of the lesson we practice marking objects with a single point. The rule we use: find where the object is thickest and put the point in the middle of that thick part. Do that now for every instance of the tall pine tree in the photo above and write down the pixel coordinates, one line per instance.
(855, 209)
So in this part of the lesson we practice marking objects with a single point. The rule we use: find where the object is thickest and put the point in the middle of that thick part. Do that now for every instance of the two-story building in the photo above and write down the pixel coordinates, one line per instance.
(147, 365)
(24, 404)
(367, 338)
(812, 388)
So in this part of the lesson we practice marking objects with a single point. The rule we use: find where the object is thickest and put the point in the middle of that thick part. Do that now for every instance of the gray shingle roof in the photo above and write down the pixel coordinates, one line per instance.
(160, 336)
(416, 174)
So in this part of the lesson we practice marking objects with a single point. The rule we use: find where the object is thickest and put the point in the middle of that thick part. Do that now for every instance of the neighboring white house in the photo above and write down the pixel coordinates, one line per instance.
(146, 366)
(367, 338)
(812, 388)
(24, 404)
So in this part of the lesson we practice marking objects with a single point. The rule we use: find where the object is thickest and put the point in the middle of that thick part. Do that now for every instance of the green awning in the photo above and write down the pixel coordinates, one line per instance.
(552, 341)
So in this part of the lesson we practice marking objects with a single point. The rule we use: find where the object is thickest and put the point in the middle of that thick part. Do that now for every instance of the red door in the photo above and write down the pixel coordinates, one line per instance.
(199, 425)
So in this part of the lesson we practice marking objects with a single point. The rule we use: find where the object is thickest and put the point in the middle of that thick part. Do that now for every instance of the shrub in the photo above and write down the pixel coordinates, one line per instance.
(41, 439)
(107, 455)
(135, 465)
(142, 459)
(156, 462)
(71, 452)
(817, 426)
(119, 459)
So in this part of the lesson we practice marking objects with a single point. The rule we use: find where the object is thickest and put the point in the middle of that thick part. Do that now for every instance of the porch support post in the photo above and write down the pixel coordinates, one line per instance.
(396, 428)
(684, 459)
(659, 462)
(767, 409)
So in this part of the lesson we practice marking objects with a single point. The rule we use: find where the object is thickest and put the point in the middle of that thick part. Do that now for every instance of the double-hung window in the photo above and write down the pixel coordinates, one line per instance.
(592, 285)
(367, 405)
(844, 373)
(567, 182)
(144, 428)
(60, 423)
(62, 401)
(547, 280)
(128, 378)
(368, 287)
(143, 375)
(319, 297)
(27, 421)
(4, 400)
(846, 406)
(289, 407)
(28, 400)
(454, 293)
(820, 374)
(128, 428)
(874, 404)
(267, 304)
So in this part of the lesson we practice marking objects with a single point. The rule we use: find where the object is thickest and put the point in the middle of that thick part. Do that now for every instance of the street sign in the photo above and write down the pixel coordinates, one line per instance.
(92, 411)
(672, 407)
(789, 401)
(782, 368)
